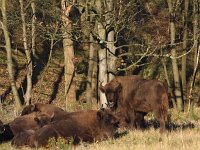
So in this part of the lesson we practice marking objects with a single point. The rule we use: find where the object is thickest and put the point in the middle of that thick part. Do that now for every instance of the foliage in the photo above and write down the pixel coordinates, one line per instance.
(60, 144)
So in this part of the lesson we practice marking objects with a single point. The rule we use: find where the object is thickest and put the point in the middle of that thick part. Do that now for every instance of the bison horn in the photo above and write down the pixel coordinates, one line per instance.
(102, 88)
(33, 108)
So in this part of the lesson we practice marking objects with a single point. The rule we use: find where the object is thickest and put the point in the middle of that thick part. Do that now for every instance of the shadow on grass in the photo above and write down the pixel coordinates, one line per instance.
(120, 134)
(171, 126)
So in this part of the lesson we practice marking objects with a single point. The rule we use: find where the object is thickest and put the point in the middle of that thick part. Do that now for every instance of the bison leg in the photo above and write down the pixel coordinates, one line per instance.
(161, 118)
(131, 120)
(139, 120)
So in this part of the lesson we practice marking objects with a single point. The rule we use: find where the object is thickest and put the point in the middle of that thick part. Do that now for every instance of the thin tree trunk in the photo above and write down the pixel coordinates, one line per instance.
(196, 50)
(33, 30)
(194, 76)
(90, 71)
(89, 90)
(27, 95)
(68, 47)
(53, 42)
(110, 39)
(95, 76)
(195, 29)
(103, 78)
(185, 36)
(177, 90)
(168, 83)
(9, 57)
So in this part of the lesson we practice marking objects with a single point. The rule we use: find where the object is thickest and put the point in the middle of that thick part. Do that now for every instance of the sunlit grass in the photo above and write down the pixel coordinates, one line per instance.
(184, 133)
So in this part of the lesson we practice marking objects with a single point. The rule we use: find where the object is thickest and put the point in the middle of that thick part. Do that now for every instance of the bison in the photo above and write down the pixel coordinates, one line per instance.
(44, 108)
(133, 97)
(32, 121)
(87, 126)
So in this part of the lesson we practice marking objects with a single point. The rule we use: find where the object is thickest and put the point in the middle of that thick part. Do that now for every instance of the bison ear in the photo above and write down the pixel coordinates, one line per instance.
(33, 108)
(52, 117)
(100, 114)
(118, 87)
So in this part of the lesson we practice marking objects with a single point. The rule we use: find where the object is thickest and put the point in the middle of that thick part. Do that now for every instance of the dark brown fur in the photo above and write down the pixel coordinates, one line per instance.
(44, 108)
(134, 97)
(87, 126)
(32, 121)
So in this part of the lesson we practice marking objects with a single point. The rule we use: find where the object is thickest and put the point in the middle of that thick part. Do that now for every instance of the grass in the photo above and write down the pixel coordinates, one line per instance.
(149, 139)
(184, 134)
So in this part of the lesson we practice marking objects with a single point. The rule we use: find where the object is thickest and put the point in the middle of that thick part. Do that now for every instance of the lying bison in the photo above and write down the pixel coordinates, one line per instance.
(32, 121)
(44, 108)
(133, 97)
(87, 126)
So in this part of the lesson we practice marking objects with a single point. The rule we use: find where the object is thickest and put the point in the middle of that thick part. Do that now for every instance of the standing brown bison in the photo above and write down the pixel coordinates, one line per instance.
(87, 126)
(133, 97)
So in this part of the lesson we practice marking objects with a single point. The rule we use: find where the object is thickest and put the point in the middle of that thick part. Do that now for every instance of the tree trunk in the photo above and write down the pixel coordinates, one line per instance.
(33, 30)
(9, 57)
(110, 40)
(103, 78)
(168, 82)
(27, 95)
(90, 70)
(194, 77)
(185, 36)
(68, 47)
(177, 89)
(195, 29)
(95, 76)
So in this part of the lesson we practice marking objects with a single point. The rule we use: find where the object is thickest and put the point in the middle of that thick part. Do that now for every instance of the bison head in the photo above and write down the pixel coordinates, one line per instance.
(28, 109)
(2, 128)
(111, 91)
(43, 119)
(107, 119)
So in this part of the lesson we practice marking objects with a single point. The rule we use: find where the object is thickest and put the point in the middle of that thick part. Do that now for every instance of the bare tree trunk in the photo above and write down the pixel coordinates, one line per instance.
(53, 42)
(168, 82)
(185, 36)
(195, 29)
(33, 35)
(27, 95)
(95, 76)
(194, 76)
(196, 49)
(102, 56)
(33, 30)
(90, 70)
(110, 39)
(90, 25)
(177, 90)
(9, 56)
(68, 47)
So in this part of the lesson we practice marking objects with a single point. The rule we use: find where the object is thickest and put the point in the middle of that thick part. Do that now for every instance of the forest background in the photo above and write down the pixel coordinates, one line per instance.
(61, 51)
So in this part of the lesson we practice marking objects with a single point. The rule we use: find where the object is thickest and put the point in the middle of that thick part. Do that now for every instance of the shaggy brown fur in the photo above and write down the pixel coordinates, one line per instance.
(44, 108)
(32, 121)
(134, 97)
(87, 126)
